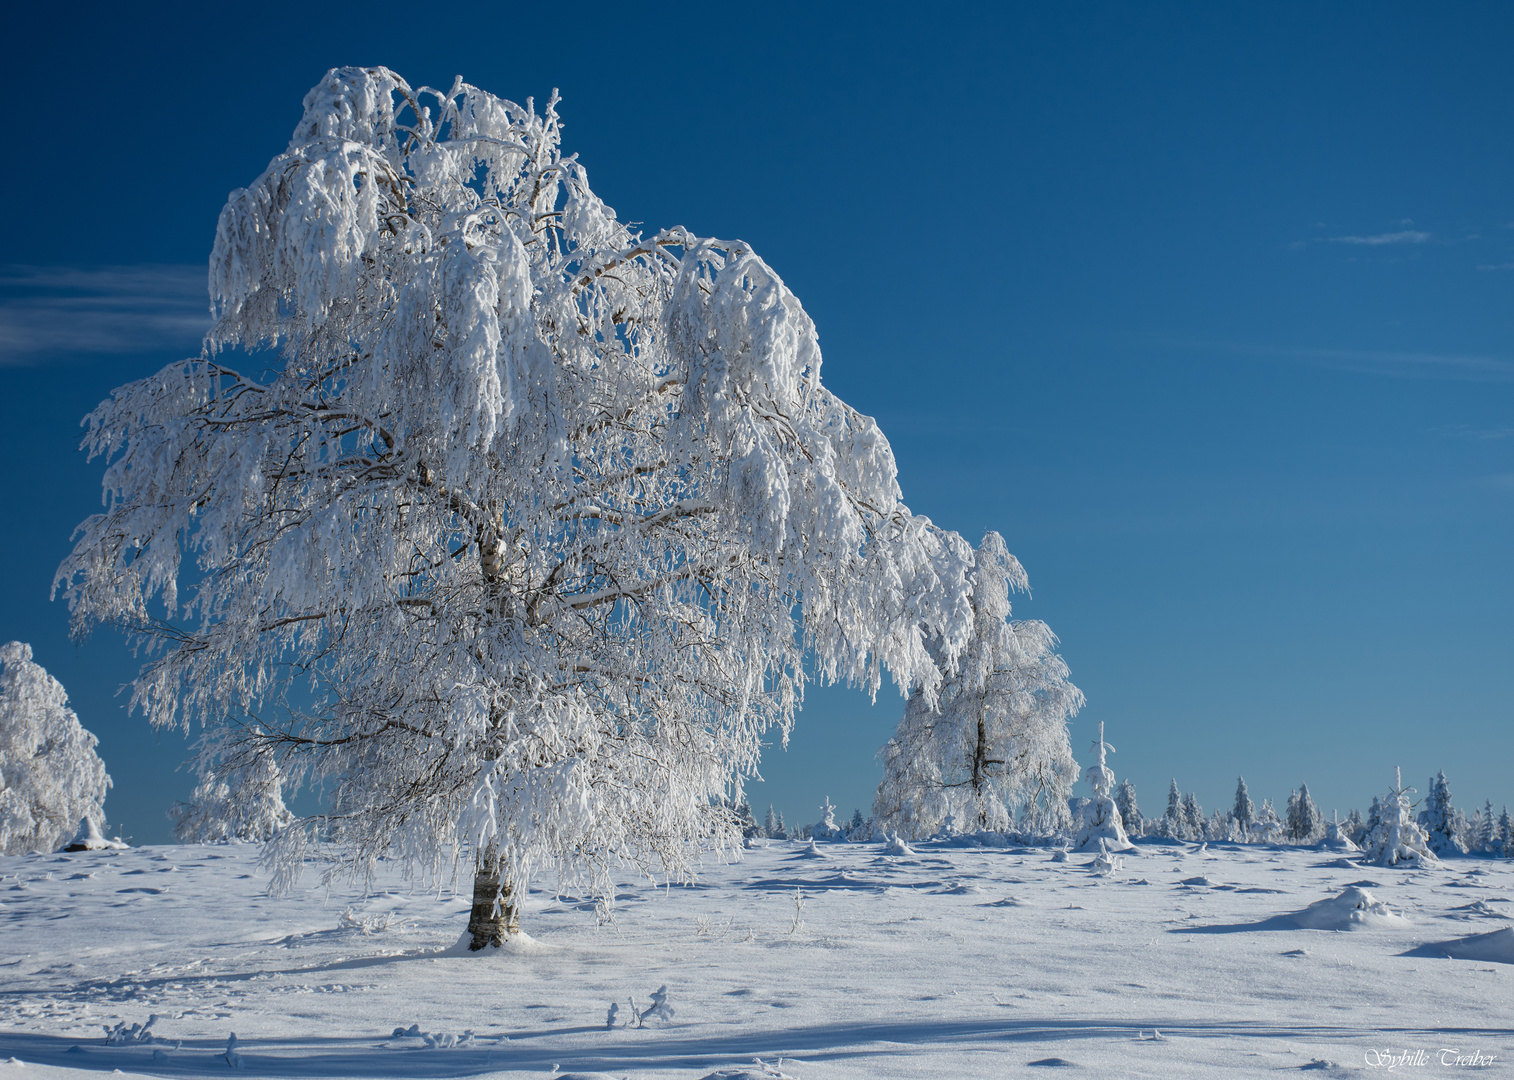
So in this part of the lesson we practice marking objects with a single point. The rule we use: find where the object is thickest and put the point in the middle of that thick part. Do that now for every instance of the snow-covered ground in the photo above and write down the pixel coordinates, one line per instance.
(948, 962)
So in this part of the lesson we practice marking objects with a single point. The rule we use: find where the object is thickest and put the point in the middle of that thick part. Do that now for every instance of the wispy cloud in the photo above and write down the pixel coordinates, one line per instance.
(48, 311)
(1460, 367)
(1404, 236)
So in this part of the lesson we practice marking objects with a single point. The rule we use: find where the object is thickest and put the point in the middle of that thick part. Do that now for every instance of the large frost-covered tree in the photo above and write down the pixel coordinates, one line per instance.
(995, 743)
(512, 527)
(51, 779)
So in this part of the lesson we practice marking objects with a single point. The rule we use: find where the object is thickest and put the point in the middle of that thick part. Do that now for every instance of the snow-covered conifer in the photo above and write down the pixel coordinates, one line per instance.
(248, 805)
(1438, 818)
(51, 779)
(1397, 839)
(1303, 823)
(996, 739)
(1487, 827)
(1171, 825)
(782, 830)
(1130, 810)
(528, 527)
(1355, 827)
(1336, 838)
(1244, 811)
(1103, 828)
(770, 824)
(826, 828)
(1267, 828)
(1193, 818)
(1505, 840)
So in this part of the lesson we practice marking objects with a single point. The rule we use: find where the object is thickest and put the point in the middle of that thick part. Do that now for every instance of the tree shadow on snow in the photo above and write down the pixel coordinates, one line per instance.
(378, 1056)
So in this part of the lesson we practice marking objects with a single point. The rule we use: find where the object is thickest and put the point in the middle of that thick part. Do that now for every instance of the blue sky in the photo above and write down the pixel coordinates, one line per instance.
(1204, 307)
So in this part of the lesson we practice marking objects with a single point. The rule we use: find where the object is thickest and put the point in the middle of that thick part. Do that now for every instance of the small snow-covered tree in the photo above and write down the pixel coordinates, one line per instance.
(770, 824)
(518, 529)
(1244, 811)
(1355, 828)
(1438, 818)
(1267, 828)
(248, 805)
(51, 779)
(1103, 828)
(826, 828)
(1193, 818)
(1505, 841)
(1303, 823)
(1130, 810)
(1398, 839)
(1487, 827)
(1374, 818)
(1171, 825)
(996, 739)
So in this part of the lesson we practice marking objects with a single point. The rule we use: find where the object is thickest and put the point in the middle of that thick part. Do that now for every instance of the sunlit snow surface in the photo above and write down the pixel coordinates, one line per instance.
(949, 962)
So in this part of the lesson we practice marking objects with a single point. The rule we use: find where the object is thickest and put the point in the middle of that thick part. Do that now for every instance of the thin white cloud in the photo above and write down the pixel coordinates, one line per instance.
(1406, 236)
(51, 311)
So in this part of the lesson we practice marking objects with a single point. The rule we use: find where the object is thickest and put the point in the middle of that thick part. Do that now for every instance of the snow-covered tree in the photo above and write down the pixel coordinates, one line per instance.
(248, 805)
(1103, 828)
(1505, 841)
(770, 824)
(1193, 818)
(1337, 836)
(1244, 811)
(1130, 810)
(1438, 819)
(1374, 819)
(51, 779)
(826, 828)
(996, 740)
(1267, 828)
(1397, 839)
(1171, 825)
(517, 530)
(1487, 827)
(1355, 828)
(1303, 824)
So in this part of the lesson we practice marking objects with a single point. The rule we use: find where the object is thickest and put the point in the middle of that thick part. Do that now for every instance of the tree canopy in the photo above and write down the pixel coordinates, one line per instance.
(511, 526)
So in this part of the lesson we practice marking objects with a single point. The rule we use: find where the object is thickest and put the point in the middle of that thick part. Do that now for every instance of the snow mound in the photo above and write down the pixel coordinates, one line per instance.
(514, 945)
(811, 851)
(1353, 909)
(88, 838)
(896, 846)
(1200, 880)
(1496, 947)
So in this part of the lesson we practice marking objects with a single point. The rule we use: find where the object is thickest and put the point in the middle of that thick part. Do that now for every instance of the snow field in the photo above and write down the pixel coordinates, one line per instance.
(831, 963)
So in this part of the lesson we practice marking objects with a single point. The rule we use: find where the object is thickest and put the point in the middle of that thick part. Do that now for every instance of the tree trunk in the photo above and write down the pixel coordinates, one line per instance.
(496, 908)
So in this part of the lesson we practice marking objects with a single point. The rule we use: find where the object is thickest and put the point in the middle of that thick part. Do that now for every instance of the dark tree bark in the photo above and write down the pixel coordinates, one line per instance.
(496, 908)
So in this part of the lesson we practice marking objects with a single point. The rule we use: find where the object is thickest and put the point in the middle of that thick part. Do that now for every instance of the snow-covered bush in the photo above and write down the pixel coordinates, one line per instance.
(996, 740)
(826, 828)
(51, 779)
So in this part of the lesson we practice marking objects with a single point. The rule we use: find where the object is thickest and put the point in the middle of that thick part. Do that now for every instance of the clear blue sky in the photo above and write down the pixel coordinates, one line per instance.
(1205, 307)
